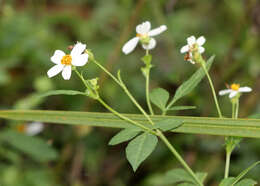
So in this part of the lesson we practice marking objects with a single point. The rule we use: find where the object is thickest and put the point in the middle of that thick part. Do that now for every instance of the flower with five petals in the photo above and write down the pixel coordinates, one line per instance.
(144, 34)
(64, 62)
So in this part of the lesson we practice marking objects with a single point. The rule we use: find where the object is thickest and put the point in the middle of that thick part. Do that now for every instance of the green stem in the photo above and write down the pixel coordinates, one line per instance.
(212, 88)
(230, 140)
(178, 156)
(228, 154)
(125, 118)
(122, 85)
(148, 93)
(112, 110)
(237, 109)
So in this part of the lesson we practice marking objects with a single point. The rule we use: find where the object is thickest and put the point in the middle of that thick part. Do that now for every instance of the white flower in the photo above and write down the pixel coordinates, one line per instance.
(31, 129)
(65, 61)
(143, 34)
(234, 89)
(192, 44)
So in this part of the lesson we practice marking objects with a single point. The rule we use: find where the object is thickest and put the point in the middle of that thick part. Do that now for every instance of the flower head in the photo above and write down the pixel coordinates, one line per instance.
(234, 89)
(145, 35)
(31, 129)
(193, 45)
(65, 61)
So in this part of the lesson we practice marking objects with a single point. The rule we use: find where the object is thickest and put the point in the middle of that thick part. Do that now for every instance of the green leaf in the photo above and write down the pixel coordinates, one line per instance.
(180, 176)
(227, 181)
(62, 92)
(159, 97)
(182, 107)
(231, 182)
(191, 83)
(30, 145)
(168, 124)
(124, 135)
(191, 125)
(244, 172)
(246, 182)
(140, 148)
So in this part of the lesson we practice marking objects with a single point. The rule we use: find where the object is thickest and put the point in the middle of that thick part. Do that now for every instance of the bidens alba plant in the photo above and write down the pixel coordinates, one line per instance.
(144, 135)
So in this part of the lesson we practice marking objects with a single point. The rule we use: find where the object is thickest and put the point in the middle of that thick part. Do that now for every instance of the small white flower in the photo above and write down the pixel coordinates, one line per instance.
(34, 128)
(65, 61)
(144, 34)
(31, 129)
(234, 89)
(192, 44)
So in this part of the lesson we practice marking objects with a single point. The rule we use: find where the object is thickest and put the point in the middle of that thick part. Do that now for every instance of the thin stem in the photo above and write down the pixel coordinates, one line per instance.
(125, 118)
(228, 154)
(178, 156)
(237, 109)
(213, 89)
(148, 93)
(233, 109)
(112, 110)
(122, 85)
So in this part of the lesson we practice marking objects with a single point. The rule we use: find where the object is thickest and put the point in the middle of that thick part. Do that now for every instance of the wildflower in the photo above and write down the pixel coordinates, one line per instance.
(31, 129)
(193, 45)
(145, 35)
(65, 61)
(234, 90)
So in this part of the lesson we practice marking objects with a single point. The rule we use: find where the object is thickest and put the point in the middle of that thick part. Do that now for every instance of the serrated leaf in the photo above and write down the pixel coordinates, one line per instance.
(244, 172)
(246, 182)
(124, 135)
(182, 107)
(227, 181)
(181, 176)
(168, 124)
(33, 146)
(186, 87)
(61, 92)
(140, 148)
(231, 182)
(159, 97)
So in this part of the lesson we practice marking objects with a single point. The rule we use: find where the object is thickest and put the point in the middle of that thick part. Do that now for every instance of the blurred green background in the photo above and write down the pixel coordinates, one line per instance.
(30, 32)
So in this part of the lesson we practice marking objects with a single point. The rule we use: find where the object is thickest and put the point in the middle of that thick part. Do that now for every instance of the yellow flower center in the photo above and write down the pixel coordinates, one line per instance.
(66, 60)
(235, 86)
(142, 36)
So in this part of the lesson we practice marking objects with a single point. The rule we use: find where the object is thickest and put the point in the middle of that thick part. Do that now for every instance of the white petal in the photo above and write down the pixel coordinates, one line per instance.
(130, 45)
(224, 92)
(157, 31)
(185, 49)
(57, 56)
(80, 60)
(244, 89)
(78, 49)
(233, 94)
(34, 128)
(201, 49)
(66, 73)
(151, 45)
(191, 40)
(55, 70)
(201, 40)
(143, 28)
